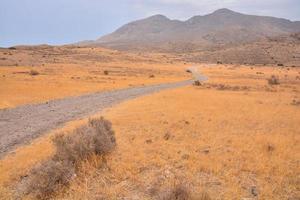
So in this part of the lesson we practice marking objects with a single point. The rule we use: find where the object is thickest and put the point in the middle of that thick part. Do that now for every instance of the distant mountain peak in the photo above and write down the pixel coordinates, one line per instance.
(224, 11)
(159, 17)
(222, 27)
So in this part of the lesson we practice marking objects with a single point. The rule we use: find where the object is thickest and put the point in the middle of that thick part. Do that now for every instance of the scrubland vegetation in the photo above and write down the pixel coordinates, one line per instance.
(51, 176)
(235, 136)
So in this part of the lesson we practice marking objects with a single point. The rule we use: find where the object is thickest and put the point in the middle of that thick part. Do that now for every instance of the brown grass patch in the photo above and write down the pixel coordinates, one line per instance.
(95, 138)
(33, 72)
(182, 192)
(179, 192)
(105, 72)
(197, 83)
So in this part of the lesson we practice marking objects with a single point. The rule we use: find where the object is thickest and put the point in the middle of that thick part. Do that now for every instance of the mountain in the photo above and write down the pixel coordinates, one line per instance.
(218, 29)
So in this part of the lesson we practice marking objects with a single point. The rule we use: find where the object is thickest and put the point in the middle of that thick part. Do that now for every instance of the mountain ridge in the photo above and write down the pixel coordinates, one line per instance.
(222, 27)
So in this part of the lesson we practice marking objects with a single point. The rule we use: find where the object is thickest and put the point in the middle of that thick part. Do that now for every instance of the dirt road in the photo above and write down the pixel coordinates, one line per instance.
(22, 124)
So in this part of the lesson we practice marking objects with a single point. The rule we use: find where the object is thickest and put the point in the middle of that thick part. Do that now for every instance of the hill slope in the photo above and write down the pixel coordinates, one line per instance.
(273, 50)
(220, 28)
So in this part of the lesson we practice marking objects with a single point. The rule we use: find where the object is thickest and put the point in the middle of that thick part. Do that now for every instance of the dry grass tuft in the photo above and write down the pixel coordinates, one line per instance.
(197, 83)
(295, 102)
(182, 192)
(179, 192)
(48, 177)
(106, 72)
(33, 72)
(273, 80)
(203, 196)
(95, 138)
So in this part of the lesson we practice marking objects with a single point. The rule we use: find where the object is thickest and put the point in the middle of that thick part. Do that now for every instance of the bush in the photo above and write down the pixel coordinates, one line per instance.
(106, 72)
(197, 83)
(273, 80)
(49, 177)
(295, 102)
(151, 76)
(33, 72)
(97, 137)
(179, 192)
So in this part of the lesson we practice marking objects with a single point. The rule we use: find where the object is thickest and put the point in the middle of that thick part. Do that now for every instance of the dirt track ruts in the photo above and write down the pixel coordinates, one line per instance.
(22, 124)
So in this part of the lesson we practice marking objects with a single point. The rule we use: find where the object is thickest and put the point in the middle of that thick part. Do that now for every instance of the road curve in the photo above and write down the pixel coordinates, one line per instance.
(20, 125)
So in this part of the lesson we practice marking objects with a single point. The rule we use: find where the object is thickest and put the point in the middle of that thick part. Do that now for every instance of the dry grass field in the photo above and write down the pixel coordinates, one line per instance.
(38, 74)
(234, 137)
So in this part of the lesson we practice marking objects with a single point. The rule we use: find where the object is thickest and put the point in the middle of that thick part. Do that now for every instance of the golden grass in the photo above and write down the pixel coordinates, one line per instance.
(224, 143)
(58, 81)
(65, 71)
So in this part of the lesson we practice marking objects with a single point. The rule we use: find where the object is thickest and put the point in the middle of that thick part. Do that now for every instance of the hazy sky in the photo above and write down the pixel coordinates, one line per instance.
(67, 21)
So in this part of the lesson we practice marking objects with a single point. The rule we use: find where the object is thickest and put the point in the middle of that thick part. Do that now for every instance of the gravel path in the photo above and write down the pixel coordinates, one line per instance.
(20, 125)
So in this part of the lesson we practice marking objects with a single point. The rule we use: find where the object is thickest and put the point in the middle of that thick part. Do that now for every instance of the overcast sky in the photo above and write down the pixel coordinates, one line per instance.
(67, 21)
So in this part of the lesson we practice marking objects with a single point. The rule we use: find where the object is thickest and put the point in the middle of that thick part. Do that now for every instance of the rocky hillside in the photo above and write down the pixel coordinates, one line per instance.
(218, 29)
(280, 50)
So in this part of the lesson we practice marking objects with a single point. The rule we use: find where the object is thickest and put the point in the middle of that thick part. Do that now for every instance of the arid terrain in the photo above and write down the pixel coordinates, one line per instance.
(235, 136)
(73, 71)
(202, 109)
(224, 36)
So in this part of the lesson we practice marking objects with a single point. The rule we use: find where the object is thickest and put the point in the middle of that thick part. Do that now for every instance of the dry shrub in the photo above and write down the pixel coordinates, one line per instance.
(49, 177)
(179, 192)
(228, 87)
(33, 72)
(270, 148)
(96, 137)
(182, 192)
(273, 80)
(152, 76)
(197, 83)
(295, 102)
(106, 72)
